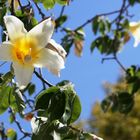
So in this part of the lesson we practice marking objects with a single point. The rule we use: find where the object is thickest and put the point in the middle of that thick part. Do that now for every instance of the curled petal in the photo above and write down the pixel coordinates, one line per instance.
(23, 74)
(43, 32)
(57, 48)
(50, 59)
(15, 27)
(5, 51)
(134, 28)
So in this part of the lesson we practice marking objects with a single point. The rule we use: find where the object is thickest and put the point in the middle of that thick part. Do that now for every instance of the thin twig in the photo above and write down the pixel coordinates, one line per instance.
(42, 79)
(12, 7)
(120, 64)
(27, 101)
(3, 64)
(40, 72)
(120, 11)
(2, 131)
(107, 58)
(116, 59)
(62, 11)
(21, 7)
(26, 134)
(91, 19)
(39, 10)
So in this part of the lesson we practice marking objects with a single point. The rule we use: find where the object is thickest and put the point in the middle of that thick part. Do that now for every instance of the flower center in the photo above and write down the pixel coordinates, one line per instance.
(25, 50)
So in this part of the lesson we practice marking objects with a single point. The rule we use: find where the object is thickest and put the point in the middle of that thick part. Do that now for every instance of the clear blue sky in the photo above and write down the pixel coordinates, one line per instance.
(88, 73)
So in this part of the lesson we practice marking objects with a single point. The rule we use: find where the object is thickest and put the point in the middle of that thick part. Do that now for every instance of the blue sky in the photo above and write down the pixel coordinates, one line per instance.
(88, 73)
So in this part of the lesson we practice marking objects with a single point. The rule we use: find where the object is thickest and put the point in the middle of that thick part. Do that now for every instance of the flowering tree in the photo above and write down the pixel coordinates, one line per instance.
(27, 44)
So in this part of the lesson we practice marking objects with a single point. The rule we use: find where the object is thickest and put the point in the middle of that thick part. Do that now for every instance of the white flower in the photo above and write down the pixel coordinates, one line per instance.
(31, 49)
(134, 28)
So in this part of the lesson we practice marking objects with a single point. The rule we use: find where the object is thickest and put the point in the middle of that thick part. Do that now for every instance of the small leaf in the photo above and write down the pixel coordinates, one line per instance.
(19, 101)
(48, 4)
(59, 21)
(31, 89)
(105, 104)
(63, 2)
(11, 118)
(76, 109)
(42, 100)
(95, 25)
(11, 134)
(4, 98)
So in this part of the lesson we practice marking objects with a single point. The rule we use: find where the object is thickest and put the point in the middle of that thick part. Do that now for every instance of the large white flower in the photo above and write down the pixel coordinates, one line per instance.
(134, 28)
(31, 49)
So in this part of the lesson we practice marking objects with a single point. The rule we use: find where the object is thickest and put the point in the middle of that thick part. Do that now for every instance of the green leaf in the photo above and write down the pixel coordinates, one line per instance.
(48, 4)
(11, 134)
(95, 25)
(93, 46)
(7, 78)
(42, 100)
(105, 104)
(59, 21)
(57, 106)
(2, 13)
(76, 109)
(126, 102)
(31, 89)
(4, 98)
(19, 101)
(62, 2)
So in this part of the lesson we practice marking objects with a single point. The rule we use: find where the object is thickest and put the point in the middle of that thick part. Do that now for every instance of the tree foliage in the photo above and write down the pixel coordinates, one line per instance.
(115, 125)
(54, 109)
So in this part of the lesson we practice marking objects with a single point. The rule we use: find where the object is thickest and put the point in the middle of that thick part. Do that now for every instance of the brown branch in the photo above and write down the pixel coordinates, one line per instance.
(27, 101)
(120, 11)
(116, 59)
(62, 11)
(91, 19)
(2, 131)
(26, 134)
(39, 10)
(40, 72)
(12, 7)
(21, 7)
(42, 79)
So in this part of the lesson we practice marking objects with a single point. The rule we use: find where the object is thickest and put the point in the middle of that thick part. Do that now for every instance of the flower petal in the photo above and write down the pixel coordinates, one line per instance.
(23, 73)
(134, 28)
(56, 47)
(43, 32)
(50, 59)
(15, 27)
(5, 51)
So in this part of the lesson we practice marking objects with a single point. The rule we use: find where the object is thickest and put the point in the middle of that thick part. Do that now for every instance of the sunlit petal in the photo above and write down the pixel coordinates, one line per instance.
(15, 27)
(134, 28)
(5, 51)
(23, 73)
(50, 59)
(43, 32)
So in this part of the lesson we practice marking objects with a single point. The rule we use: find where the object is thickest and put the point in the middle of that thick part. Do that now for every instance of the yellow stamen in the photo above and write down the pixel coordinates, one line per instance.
(25, 50)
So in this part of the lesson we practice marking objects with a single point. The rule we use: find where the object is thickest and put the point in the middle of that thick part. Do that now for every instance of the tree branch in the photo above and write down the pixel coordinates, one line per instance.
(117, 60)
(39, 10)
(62, 11)
(42, 79)
(26, 134)
(120, 11)
(12, 7)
